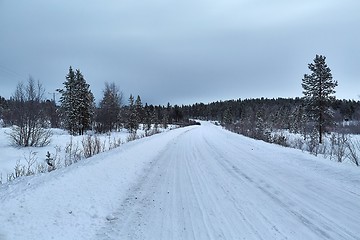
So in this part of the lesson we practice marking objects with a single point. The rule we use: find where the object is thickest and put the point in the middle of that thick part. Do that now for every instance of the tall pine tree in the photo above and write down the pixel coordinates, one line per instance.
(77, 103)
(319, 88)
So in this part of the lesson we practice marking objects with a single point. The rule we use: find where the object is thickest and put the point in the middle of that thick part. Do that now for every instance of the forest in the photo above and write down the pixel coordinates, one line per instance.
(314, 116)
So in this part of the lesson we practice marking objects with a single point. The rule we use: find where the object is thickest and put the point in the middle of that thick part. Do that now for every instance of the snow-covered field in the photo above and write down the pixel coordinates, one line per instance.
(61, 141)
(199, 182)
(11, 155)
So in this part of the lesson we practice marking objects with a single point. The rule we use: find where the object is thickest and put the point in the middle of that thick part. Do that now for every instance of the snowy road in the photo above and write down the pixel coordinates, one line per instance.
(210, 184)
(199, 182)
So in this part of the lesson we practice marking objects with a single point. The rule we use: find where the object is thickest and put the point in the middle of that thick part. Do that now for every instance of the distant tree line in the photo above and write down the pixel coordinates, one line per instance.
(255, 117)
(314, 114)
(31, 115)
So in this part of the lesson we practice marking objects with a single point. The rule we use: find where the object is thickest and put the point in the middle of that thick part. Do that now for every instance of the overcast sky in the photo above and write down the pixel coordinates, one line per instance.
(180, 51)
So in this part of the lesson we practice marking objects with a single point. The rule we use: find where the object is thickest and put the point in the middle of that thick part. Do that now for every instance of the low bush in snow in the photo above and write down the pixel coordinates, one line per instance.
(25, 136)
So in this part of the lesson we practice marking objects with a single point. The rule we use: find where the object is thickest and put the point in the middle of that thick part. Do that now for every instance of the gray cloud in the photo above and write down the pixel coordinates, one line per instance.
(180, 51)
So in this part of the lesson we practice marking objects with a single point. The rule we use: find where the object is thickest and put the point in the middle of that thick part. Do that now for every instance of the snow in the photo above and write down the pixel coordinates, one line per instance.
(12, 155)
(199, 182)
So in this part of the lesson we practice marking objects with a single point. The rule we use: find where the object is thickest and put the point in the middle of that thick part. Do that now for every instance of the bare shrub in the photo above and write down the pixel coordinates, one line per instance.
(41, 168)
(339, 146)
(279, 139)
(91, 146)
(19, 170)
(353, 151)
(152, 132)
(24, 170)
(30, 162)
(114, 143)
(57, 158)
(131, 137)
(299, 143)
(25, 136)
(72, 153)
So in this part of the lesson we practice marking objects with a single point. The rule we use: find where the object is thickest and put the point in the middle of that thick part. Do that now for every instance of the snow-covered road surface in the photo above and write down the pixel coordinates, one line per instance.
(193, 183)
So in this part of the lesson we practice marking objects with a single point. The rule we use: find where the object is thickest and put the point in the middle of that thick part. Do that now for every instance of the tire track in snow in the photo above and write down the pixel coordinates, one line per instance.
(126, 222)
(194, 201)
(236, 216)
(252, 223)
(219, 226)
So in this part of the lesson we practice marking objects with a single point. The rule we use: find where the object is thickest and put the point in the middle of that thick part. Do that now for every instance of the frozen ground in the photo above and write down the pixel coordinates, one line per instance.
(198, 182)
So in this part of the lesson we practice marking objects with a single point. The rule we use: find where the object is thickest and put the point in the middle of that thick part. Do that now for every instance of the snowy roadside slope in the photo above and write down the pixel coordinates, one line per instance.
(72, 203)
(193, 183)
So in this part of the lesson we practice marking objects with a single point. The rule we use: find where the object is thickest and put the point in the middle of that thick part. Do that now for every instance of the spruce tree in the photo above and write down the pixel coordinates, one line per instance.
(147, 118)
(109, 108)
(177, 114)
(67, 101)
(85, 99)
(227, 118)
(132, 119)
(139, 110)
(77, 103)
(155, 118)
(319, 88)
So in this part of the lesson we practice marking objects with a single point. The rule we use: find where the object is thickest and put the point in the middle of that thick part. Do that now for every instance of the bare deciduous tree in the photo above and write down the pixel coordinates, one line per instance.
(28, 116)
